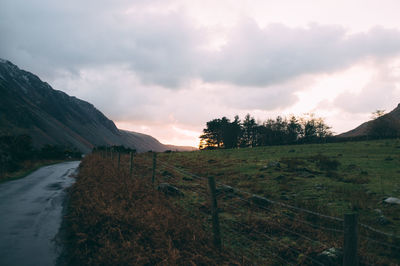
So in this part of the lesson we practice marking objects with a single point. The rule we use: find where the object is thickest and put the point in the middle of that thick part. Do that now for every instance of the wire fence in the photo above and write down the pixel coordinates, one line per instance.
(265, 230)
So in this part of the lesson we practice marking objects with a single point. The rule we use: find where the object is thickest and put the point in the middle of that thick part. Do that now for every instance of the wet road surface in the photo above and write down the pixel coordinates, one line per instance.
(31, 214)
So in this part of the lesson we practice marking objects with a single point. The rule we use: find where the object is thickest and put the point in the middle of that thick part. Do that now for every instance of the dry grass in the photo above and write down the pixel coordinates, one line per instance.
(117, 220)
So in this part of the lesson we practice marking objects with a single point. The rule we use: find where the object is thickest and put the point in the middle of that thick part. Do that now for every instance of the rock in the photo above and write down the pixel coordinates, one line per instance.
(392, 200)
(169, 190)
(332, 256)
(260, 201)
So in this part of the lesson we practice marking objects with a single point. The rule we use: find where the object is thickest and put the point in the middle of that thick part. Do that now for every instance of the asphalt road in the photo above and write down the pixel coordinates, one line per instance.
(31, 214)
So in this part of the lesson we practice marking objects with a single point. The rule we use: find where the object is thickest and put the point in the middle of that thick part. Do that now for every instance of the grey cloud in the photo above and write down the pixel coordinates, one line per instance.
(72, 35)
(49, 36)
(259, 57)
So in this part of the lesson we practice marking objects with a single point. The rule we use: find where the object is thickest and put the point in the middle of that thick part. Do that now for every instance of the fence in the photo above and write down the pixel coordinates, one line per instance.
(266, 231)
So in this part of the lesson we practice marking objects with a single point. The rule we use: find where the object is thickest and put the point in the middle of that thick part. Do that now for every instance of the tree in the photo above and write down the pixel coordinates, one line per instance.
(314, 129)
(231, 132)
(212, 134)
(293, 130)
(249, 127)
(378, 113)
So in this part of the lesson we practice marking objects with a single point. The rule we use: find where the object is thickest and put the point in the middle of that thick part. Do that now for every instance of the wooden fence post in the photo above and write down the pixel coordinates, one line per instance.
(350, 240)
(131, 165)
(154, 167)
(214, 213)
(119, 159)
(112, 154)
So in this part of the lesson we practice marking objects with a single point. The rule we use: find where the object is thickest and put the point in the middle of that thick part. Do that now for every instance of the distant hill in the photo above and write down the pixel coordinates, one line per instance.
(31, 106)
(387, 125)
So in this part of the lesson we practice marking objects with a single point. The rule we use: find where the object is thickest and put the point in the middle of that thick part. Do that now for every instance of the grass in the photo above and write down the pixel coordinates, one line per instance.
(331, 179)
(301, 173)
(114, 219)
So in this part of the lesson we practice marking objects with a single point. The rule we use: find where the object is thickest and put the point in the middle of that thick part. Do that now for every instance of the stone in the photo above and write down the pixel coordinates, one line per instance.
(392, 200)
(169, 190)
(332, 256)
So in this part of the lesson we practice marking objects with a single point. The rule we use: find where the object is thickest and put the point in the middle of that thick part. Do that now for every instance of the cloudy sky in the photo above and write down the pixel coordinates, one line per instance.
(166, 67)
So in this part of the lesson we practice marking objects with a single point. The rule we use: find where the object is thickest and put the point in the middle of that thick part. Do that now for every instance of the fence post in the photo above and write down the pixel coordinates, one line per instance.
(119, 159)
(214, 213)
(131, 165)
(350, 240)
(112, 154)
(154, 167)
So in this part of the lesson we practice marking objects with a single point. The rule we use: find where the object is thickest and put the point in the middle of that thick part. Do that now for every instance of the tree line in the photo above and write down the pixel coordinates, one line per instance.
(224, 133)
(17, 149)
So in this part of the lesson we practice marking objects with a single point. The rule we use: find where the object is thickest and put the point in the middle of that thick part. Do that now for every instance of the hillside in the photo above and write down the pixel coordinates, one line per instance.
(388, 124)
(31, 106)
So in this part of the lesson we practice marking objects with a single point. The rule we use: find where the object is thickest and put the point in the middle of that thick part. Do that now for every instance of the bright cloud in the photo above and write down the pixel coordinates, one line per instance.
(167, 67)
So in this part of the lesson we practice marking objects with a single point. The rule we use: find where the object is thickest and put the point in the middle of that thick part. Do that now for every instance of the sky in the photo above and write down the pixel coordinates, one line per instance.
(166, 67)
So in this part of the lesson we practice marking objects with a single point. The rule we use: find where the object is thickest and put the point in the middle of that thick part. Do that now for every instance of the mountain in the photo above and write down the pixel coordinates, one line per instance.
(31, 106)
(387, 125)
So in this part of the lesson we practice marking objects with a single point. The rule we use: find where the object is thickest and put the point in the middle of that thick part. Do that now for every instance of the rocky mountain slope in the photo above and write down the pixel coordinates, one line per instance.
(387, 125)
(30, 106)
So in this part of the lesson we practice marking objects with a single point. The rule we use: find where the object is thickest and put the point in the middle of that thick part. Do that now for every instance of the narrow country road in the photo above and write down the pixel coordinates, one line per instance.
(31, 215)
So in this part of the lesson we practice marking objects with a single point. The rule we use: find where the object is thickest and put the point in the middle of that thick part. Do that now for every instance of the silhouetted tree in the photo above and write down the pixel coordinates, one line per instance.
(249, 136)
(293, 130)
(221, 133)
(231, 132)
(212, 134)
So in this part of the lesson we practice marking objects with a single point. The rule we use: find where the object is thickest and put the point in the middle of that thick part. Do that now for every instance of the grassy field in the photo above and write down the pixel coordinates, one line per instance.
(330, 179)
(336, 178)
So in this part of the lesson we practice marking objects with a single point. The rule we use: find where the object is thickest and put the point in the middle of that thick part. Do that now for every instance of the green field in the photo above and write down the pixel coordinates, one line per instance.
(331, 179)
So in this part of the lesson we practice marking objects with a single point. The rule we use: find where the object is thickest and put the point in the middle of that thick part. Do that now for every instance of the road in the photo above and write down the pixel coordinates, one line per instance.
(31, 214)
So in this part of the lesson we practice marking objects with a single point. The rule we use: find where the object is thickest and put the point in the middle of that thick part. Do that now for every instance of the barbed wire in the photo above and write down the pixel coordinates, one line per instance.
(272, 239)
(378, 231)
(292, 218)
(256, 244)
(380, 242)
(295, 233)
(268, 200)
(183, 172)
